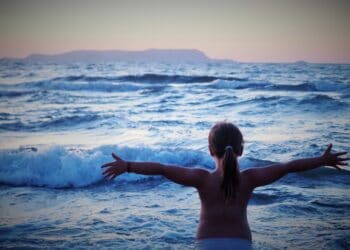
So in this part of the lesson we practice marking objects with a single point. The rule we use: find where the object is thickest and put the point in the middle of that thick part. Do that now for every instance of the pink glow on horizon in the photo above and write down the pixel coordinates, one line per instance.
(248, 31)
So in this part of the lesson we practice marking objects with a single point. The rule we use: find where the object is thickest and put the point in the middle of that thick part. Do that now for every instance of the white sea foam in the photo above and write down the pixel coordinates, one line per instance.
(59, 166)
(63, 167)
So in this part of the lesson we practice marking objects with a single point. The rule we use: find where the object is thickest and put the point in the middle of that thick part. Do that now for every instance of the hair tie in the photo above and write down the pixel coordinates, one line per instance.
(228, 147)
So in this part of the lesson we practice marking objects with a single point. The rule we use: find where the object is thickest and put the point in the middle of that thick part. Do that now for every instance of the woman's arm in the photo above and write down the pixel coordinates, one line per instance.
(185, 176)
(266, 175)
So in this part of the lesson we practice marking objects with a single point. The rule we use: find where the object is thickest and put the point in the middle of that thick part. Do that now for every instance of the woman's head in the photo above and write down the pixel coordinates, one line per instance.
(226, 141)
(224, 134)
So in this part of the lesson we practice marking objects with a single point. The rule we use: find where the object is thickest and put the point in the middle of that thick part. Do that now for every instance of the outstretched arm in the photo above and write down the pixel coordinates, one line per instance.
(185, 176)
(266, 175)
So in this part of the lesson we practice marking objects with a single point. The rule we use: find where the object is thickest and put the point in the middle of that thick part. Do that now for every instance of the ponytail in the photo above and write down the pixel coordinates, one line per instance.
(226, 143)
(230, 181)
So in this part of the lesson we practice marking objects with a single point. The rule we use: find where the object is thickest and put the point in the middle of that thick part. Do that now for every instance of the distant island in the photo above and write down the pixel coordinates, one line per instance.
(150, 55)
(302, 62)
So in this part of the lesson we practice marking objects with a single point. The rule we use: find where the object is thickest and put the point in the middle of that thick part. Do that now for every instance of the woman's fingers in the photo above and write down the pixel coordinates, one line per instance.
(106, 176)
(337, 167)
(109, 164)
(329, 148)
(111, 172)
(340, 153)
(112, 177)
(106, 171)
(116, 157)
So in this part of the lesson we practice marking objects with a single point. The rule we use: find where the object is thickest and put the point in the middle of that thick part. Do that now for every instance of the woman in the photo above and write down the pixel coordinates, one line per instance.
(224, 192)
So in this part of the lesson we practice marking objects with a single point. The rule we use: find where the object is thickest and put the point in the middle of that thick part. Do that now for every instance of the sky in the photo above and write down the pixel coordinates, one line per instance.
(242, 30)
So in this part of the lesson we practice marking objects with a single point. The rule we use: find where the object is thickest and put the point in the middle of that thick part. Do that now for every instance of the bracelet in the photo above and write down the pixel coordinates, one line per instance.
(128, 167)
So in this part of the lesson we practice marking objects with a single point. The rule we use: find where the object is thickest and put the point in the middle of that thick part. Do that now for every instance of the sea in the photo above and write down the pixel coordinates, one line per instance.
(59, 122)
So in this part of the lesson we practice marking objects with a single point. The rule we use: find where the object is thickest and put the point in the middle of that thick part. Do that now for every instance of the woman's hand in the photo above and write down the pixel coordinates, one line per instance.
(114, 168)
(333, 159)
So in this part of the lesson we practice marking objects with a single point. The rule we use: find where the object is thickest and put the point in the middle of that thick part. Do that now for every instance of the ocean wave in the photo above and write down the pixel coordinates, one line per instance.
(148, 78)
(264, 198)
(296, 209)
(226, 84)
(84, 78)
(321, 101)
(64, 167)
(331, 205)
(262, 101)
(267, 86)
(56, 167)
(158, 78)
(60, 167)
(327, 102)
(325, 173)
(4, 116)
(289, 87)
(14, 93)
(311, 87)
(154, 82)
(233, 84)
(268, 99)
(157, 82)
(51, 123)
(89, 86)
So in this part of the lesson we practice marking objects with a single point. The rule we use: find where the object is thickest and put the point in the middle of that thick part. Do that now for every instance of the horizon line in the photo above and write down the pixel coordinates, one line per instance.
(175, 49)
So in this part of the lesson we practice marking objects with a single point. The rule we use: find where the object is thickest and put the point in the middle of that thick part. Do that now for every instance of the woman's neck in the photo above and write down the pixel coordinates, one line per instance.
(218, 165)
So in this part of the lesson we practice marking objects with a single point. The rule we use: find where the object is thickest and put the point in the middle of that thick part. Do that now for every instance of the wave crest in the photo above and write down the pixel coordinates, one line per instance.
(66, 121)
(148, 78)
(62, 167)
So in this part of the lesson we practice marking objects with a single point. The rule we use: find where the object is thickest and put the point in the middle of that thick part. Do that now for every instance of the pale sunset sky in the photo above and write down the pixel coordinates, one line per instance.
(243, 30)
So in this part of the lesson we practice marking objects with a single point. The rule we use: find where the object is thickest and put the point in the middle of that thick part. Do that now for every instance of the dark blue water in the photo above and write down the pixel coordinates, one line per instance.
(60, 122)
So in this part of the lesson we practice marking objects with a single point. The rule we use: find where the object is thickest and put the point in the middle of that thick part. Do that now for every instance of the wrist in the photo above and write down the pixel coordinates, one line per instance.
(128, 166)
(322, 161)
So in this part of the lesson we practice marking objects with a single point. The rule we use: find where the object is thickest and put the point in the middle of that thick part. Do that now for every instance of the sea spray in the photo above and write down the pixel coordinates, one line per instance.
(59, 166)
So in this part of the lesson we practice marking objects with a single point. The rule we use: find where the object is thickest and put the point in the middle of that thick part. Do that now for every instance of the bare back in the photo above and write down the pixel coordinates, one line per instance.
(220, 218)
